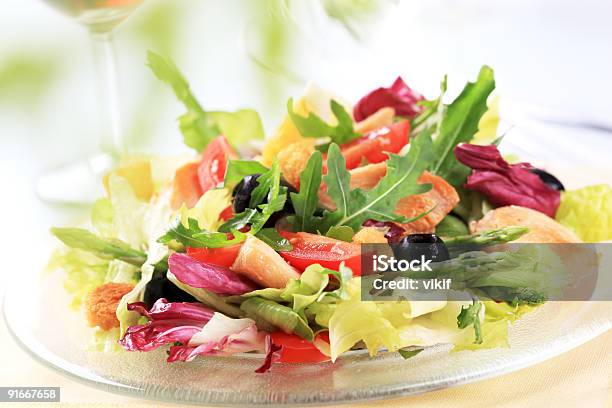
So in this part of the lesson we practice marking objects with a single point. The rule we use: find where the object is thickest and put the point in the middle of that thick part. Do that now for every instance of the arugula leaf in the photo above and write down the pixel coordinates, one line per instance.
(272, 237)
(198, 126)
(341, 232)
(305, 202)
(432, 112)
(105, 248)
(459, 123)
(238, 169)
(269, 190)
(353, 207)
(470, 316)
(313, 126)
(193, 236)
(406, 354)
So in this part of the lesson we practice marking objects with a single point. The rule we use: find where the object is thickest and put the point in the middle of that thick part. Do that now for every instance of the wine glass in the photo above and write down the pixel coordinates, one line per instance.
(79, 182)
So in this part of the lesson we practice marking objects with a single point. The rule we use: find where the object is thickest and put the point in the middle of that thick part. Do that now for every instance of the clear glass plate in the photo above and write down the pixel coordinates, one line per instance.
(58, 337)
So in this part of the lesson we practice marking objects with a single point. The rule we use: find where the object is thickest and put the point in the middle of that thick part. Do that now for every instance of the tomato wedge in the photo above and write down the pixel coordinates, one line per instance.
(211, 170)
(373, 146)
(227, 213)
(311, 249)
(296, 349)
(216, 256)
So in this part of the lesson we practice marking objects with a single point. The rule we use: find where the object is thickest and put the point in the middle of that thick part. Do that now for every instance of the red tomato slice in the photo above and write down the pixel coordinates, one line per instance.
(211, 170)
(227, 213)
(296, 349)
(373, 146)
(216, 256)
(311, 249)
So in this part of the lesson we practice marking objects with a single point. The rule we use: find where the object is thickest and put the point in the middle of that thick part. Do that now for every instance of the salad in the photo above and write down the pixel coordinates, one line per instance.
(254, 245)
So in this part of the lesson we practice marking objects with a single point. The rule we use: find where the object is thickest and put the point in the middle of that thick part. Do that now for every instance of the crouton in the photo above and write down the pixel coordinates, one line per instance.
(370, 235)
(101, 304)
(293, 159)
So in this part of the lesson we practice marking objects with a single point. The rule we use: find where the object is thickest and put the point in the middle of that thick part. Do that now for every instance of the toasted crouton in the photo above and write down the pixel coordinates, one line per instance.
(101, 304)
(293, 159)
(370, 235)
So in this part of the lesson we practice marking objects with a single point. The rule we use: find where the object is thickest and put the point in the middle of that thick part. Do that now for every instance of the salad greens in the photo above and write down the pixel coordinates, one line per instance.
(198, 126)
(470, 316)
(105, 248)
(306, 200)
(353, 207)
(284, 273)
(457, 123)
(587, 212)
(314, 126)
(266, 199)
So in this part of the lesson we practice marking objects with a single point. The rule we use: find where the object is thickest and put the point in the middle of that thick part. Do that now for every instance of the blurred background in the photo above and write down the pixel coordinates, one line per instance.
(552, 60)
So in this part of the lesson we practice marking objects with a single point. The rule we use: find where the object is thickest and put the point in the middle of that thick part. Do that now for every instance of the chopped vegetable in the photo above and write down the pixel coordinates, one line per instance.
(470, 316)
(503, 183)
(459, 123)
(313, 126)
(588, 211)
(353, 207)
(376, 146)
(398, 96)
(215, 278)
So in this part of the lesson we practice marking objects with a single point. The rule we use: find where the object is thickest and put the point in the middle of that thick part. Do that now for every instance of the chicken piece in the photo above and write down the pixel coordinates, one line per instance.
(370, 235)
(186, 187)
(442, 197)
(293, 159)
(260, 263)
(380, 118)
(101, 304)
(542, 229)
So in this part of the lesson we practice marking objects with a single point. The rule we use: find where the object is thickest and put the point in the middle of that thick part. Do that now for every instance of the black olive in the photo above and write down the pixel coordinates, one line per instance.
(548, 179)
(242, 194)
(413, 246)
(161, 287)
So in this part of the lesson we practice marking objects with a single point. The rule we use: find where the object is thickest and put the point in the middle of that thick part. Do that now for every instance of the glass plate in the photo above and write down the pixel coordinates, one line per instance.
(58, 337)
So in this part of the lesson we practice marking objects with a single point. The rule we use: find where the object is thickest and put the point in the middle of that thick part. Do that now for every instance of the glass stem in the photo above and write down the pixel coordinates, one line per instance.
(105, 61)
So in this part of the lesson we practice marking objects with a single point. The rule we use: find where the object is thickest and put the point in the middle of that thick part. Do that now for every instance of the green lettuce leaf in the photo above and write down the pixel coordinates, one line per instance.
(198, 126)
(84, 272)
(207, 210)
(299, 293)
(588, 212)
(238, 169)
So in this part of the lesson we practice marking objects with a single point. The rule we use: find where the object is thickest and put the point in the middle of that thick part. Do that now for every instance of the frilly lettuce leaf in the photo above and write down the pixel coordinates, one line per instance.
(207, 210)
(588, 211)
(84, 271)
